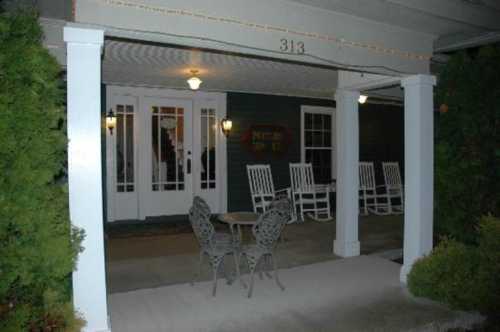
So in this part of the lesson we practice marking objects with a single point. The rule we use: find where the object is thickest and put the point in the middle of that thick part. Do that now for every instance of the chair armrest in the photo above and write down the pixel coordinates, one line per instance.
(322, 188)
(282, 191)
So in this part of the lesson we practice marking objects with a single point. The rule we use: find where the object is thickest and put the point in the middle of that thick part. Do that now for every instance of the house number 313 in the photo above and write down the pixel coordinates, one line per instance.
(292, 46)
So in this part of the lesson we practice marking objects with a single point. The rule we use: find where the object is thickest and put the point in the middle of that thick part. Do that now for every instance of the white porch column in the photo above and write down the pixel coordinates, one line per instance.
(346, 243)
(84, 171)
(419, 151)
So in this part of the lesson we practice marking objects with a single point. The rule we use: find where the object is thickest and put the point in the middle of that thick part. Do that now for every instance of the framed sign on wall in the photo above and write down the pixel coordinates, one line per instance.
(267, 139)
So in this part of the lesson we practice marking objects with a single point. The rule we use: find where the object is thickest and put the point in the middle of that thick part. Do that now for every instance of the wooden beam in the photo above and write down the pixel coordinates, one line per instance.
(458, 11)
(274, 28)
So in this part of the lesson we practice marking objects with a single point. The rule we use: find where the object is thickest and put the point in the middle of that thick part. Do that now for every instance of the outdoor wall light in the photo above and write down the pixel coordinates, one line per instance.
(194, 82)
(111, 121)
(362, 99)
(226, 126)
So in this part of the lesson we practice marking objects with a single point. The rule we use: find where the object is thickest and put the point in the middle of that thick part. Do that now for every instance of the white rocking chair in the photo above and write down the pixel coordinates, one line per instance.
(369, 191)
(307, 195)
(262, 190)
(393, 187)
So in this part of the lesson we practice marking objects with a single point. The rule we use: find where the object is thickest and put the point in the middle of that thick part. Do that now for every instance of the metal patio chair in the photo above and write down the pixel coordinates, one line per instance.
(393, 186)
(266, 231)
(215, 245)
(307, 195)
(373, 201)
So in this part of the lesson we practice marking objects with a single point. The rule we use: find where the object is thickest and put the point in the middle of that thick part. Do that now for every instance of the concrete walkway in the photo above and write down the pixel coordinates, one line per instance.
(355, 294)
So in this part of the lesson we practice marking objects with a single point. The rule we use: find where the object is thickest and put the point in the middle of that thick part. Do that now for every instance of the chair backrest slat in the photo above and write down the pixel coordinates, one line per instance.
(260, 179)
(392, 175)
(366, 175)
(302, 177)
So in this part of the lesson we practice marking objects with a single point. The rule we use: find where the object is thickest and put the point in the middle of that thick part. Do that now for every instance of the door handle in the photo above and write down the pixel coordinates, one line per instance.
(188, 166)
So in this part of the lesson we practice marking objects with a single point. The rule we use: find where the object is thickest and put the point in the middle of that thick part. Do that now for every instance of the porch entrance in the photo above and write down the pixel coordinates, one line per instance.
(166, 147)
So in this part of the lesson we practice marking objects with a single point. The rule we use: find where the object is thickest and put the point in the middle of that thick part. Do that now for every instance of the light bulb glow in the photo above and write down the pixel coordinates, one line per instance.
(194, 83)
(226, 126)
(362, 99)
(111, 121)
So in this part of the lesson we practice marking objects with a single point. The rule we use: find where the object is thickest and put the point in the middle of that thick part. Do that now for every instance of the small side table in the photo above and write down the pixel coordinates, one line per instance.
(238, 219)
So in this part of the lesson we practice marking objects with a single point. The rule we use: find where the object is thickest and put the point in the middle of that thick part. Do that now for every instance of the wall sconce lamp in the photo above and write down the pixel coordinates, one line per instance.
(226, 126)
(110, 121)
(362, 99)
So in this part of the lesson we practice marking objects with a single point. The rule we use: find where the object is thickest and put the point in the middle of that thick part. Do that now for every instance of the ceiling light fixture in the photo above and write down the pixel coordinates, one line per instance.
(362, 99)
(194, 82)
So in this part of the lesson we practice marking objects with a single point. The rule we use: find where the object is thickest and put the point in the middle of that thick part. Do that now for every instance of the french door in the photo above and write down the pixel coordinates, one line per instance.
(169, 161)
(164, 150)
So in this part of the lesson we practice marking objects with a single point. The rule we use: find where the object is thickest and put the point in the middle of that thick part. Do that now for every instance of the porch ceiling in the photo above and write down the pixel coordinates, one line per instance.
(132, 63)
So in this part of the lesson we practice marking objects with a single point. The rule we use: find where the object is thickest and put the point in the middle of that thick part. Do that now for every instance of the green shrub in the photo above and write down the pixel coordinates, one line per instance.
(467, 158)
(446, 275)
(488, 275)
(462, 276)
(37, 244)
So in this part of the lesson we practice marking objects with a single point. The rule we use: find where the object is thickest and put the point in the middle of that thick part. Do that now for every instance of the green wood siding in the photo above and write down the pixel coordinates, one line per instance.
(252, 109)
(381, 138)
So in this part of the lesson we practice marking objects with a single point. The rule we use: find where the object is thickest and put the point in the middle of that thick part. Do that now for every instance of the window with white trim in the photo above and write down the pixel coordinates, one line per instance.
(318, 137)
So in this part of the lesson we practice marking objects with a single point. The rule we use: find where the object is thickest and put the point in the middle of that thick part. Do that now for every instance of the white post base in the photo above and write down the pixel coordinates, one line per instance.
(346, 249)
(405, 270)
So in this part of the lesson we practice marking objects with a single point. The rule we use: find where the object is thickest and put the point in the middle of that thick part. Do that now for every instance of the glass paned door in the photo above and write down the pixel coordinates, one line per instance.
(207, 152)
(169, 157)
(121, 156)
(208, 145)
(167, 148)
(125, 148)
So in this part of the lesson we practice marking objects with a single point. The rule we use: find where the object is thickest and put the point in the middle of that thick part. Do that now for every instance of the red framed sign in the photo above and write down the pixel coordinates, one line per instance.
(267, 139)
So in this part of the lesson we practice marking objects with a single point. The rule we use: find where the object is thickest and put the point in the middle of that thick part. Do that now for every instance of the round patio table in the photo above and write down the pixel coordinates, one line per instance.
(238, 219)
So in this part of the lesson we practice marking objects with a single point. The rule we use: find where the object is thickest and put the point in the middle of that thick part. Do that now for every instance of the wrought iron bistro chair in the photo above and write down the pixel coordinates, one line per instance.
(262, 190)
(307, 195)
(266, 231)
(393, 187)
(215, 245)
(373, 200)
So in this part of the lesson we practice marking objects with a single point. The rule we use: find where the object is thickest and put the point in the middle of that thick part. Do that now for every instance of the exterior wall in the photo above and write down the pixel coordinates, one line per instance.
(381, 138)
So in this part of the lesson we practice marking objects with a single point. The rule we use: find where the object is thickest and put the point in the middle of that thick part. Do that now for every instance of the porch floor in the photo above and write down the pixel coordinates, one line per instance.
(355, 294)
(147, 257)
